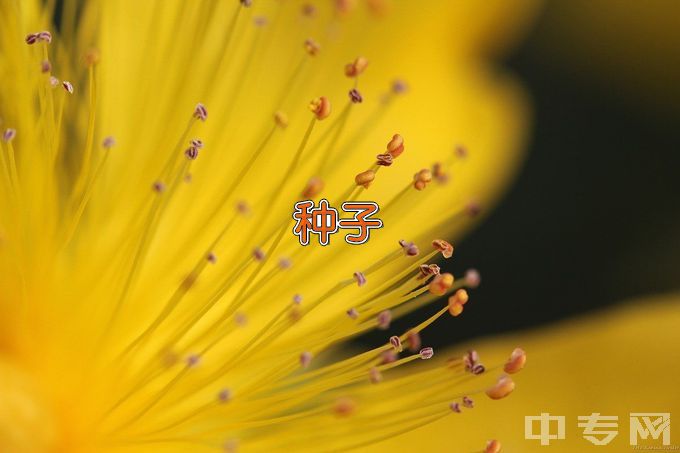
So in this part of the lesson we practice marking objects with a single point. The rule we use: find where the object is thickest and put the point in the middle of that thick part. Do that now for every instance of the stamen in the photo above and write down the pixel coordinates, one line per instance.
(224, 396)
(193, 360)
(200, 112)
(360, 278)
(441, 283)
(355, 96)
(353, 313)
(460, 151)
(492, 446)
(384, 160)
(67, 86)
(503, 387)
(473, 209)
(375, 376)
(259, 254)
(410, 249)
(439, 173)
(414, 342)
(281, 119)
(158, 187)
(472, 278)
(456, 302)
(344, 407)
(305, 359)
(313, 188)
(395, 147)
(45, 66)
(212, 258)
(9, 135)
(427, 270)
(516, 361)
(399, 86)
(54, 82)
(455, 407)
(311, 47)
(357, 67)
(395, 341)
(321, 107)
(365, 178)
(426, 353)
(108, 142)
(297, 299)
(444, 247)
(384, 319)
(467, 402)
(422, 179)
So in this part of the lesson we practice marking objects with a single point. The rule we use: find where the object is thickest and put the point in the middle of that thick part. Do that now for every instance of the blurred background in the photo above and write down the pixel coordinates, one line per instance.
(593, 218)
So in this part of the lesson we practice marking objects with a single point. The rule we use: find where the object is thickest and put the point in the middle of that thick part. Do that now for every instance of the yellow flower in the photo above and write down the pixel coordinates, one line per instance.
(153, 294)
(616, 362)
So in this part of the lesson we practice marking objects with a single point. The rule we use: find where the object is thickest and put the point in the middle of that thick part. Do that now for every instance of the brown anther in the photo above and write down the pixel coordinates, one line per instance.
(384, 319)
(31, 38)
(399, 86)
(374, 375)
(224, 396)
(242, 207)
(426, 353)
(211, 257)
(467, 402)
(389, 356)
(92, 57)
(45, 66)
(427, 270)
(308, 10)
(240, 319)
(158, 187)
(439, 173)
(460, 151)
(492, 446)
(258, 254)
(312, 47)
(200, 112)
(285, 263)
(440, 284)
(67, 86)
(355, 68)
(470, 359)
(477, 369)
(281, 119)
(295, 313)
(413, 339)
(196, 143)
(313, 188)
(189, 281)
(193, 360)
(410, 249)
(502, 388)
(260, 21)
(395, 147)
(395, 341)
(108, 142)
(353, 313)
(191, 153)
(355, 96)
(360, 278)
(472, 278)
(9, 135)
(455, 407)
(45, 36)
(384, 160)
(422, 179)
(246, 3)
(365, 178)
(456, 302)
(54, 82)
(344, 407)
(444, 247)
(297, 299)
(321, 107)
(305, 359)
(473, 209)
(516, 361)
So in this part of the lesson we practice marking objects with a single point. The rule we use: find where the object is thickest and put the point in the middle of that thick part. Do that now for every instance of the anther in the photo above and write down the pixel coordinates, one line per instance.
(422, 179)
(467, 402)
(516, 361)
(395, 341)
(297, 299)
(355, 68)
(211, 257)
(311, 47)
(45, 36)
(158, 187)
(108, 142)
(365, 178)
(492, 446)
(240, 319)
(258, 254)
(455, 407)
(414, 342)
(9, 135)
(54, 82)
(360, 278)
(478, 369)
(313, 188)
(191, 153)
(242, 207)
(427, 270)
(410, 249)
(189, 280)
(308, 10)
(472, 278)
(395, 146)
(285, 263)
(281, 119)
(92, 57)
(31, 38)
(67, 86)
(374, 375)
(460, 151)
(321, 107)
(260, 21)
(353, 313)
(200, 112)
(355, 96)
(193, 360)
(456, 302)
(384, 160)
(45, 66)
(426, 353)
(399, 86)
(196, 143)
(246, 3)
(444, 247)
(470, 359)
(224, 396)
(502, 388)
(439, 173)
(305, 359)
(384, 319)
(389, 356)
(440, 284)
(344, 407)
(473, 209)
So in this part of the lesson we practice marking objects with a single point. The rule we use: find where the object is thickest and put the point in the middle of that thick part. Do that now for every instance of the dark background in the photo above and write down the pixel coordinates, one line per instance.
(593, 218)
